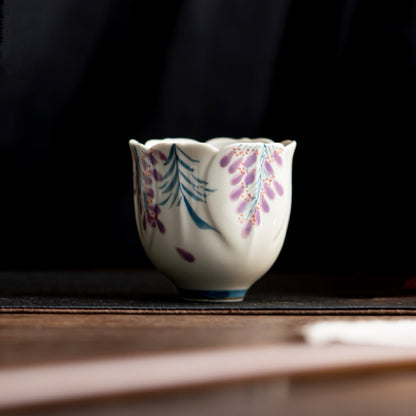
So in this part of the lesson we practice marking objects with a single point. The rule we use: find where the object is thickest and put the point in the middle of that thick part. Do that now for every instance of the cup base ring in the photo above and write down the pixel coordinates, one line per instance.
(213, 295)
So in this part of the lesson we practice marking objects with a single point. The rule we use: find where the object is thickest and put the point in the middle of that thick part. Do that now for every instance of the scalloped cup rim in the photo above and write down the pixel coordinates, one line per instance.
(216, 143)
(223, 264)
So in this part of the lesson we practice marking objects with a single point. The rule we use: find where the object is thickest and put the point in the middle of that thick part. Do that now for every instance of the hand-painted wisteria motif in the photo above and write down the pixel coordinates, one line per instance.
(174, 177)
(254, 171)
(145, 175)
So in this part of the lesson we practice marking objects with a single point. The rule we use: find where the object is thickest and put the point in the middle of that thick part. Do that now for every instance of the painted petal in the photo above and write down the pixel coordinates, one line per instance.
(269, 191)
(234, 166)
(268, 167)
(226, 159)
(257, 216)
(250, 160)
(236, 193)
(161, 227)
(278, 187)
(186, 255)
(156, 175)
(278, 159)
(236, 179)
(246, 230)
(160, 154)
(149, 217)
(151, 158)
(142, 163)
(150, 193)
(154, 208)
(147, 180)
(264, 205)
(250, 177)
(241, 207)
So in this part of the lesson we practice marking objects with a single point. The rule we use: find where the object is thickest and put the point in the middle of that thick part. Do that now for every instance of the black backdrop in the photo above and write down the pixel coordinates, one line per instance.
(79, 78)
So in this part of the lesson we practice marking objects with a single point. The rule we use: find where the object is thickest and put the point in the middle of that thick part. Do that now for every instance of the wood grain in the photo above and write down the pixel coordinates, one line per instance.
(54, 340)
(45, 338)
(37, 338)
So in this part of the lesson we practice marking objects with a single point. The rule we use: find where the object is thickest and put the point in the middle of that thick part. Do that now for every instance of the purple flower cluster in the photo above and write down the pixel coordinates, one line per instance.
(146, 175)
(254, 181)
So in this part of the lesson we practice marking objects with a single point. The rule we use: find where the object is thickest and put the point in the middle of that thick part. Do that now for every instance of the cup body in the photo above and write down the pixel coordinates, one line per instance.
(212, 216)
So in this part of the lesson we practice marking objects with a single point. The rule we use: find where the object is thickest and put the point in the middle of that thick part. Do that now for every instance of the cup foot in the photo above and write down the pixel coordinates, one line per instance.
(213, 295)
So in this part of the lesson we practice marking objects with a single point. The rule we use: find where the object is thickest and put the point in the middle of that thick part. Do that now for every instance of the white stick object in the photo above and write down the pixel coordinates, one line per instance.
(381, 332)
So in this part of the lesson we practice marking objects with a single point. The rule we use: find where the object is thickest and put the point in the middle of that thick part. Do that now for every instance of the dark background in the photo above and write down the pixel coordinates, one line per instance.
(79, 78)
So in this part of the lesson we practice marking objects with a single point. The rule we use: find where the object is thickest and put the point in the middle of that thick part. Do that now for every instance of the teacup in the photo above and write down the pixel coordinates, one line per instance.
(212, 216)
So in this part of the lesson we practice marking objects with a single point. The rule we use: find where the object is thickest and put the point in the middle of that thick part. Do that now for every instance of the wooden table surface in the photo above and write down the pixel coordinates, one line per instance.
(44, 339)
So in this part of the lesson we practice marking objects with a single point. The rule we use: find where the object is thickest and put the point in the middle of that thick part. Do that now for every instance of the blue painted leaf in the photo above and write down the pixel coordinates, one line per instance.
(195, 188)
(188, 157)
(201, 194)
(191, 194)
(189, 181)
(171, 155)
(199, 180)
(199, 222)
(164, 201)
(185, 165)
(170, 171)
(172, 184)
(162, 186)
(175, 197)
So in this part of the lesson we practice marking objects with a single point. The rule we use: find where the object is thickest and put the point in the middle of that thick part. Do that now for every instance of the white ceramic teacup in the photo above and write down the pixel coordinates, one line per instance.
(212, 216)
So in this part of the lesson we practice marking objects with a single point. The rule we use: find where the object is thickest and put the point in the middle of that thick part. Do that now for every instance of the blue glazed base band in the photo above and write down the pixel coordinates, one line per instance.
(213, 295)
